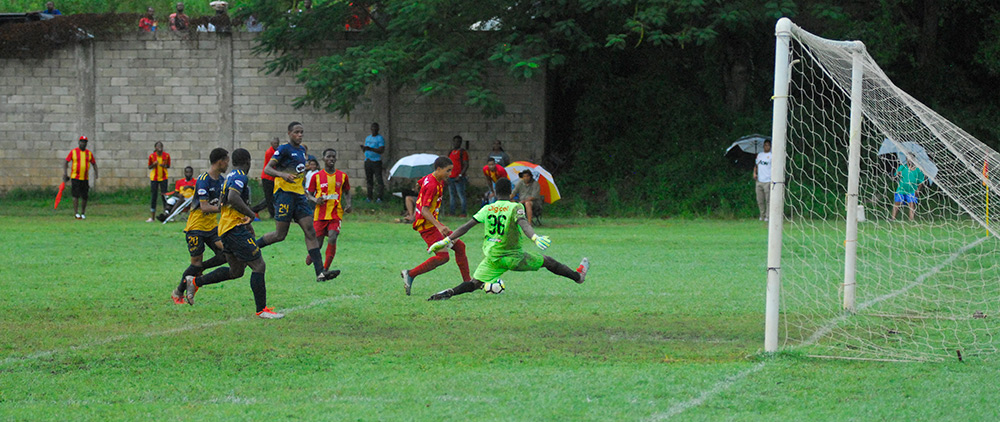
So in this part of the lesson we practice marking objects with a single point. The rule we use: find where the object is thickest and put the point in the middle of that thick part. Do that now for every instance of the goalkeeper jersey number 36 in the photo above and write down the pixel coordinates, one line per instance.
(503, 235)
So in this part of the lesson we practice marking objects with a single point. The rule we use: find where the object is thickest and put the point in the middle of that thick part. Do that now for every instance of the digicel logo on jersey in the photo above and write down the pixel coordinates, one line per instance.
(497, 208)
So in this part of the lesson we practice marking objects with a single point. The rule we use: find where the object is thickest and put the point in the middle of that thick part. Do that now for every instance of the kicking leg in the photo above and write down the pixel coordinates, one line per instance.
(464, 287)
(561, 269)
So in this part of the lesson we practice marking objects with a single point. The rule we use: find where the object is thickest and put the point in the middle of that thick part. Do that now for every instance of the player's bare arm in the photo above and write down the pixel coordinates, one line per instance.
(346, 202)
(209, 207)
(272, 170)
(429, 216)
(236, 201)
(65, 171)
(463, 229)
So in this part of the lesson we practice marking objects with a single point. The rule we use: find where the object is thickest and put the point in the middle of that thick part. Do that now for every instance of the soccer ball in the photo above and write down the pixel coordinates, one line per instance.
(495, 288)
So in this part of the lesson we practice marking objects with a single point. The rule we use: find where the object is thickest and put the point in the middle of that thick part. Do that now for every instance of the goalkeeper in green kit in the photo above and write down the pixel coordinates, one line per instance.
(505, 220)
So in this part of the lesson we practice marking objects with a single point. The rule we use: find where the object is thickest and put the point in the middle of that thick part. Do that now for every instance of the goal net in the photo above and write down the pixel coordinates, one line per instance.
(920, 289)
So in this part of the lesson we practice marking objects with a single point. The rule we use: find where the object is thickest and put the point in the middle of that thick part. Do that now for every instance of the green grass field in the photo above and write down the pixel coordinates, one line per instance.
(668, 326)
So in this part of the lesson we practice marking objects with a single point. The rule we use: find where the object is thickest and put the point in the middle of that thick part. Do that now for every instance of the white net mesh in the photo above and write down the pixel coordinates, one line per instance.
(925, 288)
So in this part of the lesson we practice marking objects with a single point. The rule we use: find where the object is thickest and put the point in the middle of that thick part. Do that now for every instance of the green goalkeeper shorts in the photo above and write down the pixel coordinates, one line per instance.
(493, 267)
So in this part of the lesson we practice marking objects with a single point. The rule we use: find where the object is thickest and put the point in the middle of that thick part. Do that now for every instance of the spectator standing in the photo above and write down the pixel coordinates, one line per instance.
(179, 21)
(457, 180)
(148, 22)
(762, 177)
(159, 162)
(373, 148)
(910, 179)
(50, 9)
(267, 181)
(493, 173)
(498, 154)
(528, 193)
(81, 160)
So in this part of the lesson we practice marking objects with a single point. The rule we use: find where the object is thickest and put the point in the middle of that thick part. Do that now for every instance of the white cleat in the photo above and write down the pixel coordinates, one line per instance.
(269, 313)
(407, 281)
(582, 270)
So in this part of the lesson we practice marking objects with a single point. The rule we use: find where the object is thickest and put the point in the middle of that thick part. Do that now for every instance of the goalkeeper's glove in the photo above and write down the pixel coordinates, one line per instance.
(441, 244)
(542, 242)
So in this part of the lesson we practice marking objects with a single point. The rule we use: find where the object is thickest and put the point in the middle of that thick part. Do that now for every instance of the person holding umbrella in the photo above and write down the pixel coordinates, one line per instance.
(910, 178)
(762, 177)
(81, 160)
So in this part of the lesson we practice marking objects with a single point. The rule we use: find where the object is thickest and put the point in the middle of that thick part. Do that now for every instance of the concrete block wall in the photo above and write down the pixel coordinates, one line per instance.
(199, 91)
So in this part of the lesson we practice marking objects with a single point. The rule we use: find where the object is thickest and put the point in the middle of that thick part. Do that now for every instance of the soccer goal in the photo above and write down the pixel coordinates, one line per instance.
(845, 279)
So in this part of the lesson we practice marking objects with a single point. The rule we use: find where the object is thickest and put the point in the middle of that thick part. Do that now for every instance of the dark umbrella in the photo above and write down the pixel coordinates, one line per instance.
(743, 152)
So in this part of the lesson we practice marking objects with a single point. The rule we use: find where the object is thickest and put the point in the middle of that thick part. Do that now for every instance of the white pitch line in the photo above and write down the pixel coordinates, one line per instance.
(123, 337)
(728, 382)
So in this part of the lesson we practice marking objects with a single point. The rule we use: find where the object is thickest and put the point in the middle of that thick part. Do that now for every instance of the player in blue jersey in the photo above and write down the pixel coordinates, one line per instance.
(202, 228)
(504, 221)
(288, 166)
(237, 239)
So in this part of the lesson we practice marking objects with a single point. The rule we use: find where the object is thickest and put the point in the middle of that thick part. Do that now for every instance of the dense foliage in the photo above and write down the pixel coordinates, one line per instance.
(643, 95)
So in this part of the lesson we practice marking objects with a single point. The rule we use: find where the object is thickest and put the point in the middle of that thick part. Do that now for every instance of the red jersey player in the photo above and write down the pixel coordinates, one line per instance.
(431, 230)
(331, 192)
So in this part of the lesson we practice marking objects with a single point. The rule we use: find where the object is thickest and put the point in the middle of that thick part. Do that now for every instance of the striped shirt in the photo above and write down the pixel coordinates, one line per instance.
(330, 186)
(230, 217)
(81, 161)
(430, 196)
(158, 173)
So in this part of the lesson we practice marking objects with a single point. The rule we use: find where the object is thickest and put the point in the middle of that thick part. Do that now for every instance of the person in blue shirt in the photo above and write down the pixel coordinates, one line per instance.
(50, 8)
(373, 148)
(288, 166)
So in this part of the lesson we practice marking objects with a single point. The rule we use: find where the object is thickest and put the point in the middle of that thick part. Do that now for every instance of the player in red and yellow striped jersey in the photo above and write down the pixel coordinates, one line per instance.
(81, 160)
(158, 162)
(431, 230)
(331, 191)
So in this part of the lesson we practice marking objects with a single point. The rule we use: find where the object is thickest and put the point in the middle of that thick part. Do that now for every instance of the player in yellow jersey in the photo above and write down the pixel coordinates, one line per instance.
(202, 225)
(288, 166)
(237, 239)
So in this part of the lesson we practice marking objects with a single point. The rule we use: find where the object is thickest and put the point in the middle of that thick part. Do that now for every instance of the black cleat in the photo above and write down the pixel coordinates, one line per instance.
(442, 295)
(327, 275)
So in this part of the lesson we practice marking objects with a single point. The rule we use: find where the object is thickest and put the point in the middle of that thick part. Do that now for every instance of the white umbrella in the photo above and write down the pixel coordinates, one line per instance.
(416, 165)
(751, 144)
(912, 148)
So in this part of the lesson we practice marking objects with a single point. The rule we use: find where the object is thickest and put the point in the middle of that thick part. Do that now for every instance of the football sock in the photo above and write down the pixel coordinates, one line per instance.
(461, 259)
(191, 270)
(331, 250)
(561, 269)
(216, 261)
(317, 260)
(219, 275)
(465, 287)
(259, 290)
(431, 263)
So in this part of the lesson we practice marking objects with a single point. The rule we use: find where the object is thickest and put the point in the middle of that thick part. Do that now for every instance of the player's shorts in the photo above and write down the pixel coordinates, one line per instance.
(80, 188)
(326, 226)
(432, 235)
(492, 268)
(291, 206)
(239, 241)
(907, 197)
(198, 239)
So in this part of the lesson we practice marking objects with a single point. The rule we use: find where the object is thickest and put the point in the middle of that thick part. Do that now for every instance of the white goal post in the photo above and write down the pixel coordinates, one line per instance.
(849, 272)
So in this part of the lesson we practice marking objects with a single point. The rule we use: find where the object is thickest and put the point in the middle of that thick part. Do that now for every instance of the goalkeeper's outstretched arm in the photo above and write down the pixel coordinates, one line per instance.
(463, 229)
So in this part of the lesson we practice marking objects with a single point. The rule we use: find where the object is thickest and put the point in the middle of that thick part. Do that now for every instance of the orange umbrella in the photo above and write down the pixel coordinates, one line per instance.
(62, 186)
(547, 184)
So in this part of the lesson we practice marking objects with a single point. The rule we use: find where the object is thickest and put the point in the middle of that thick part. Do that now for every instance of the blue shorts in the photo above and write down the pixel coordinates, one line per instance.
(289, 206)
(908, 197)
(239, 241)
(198, 239)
